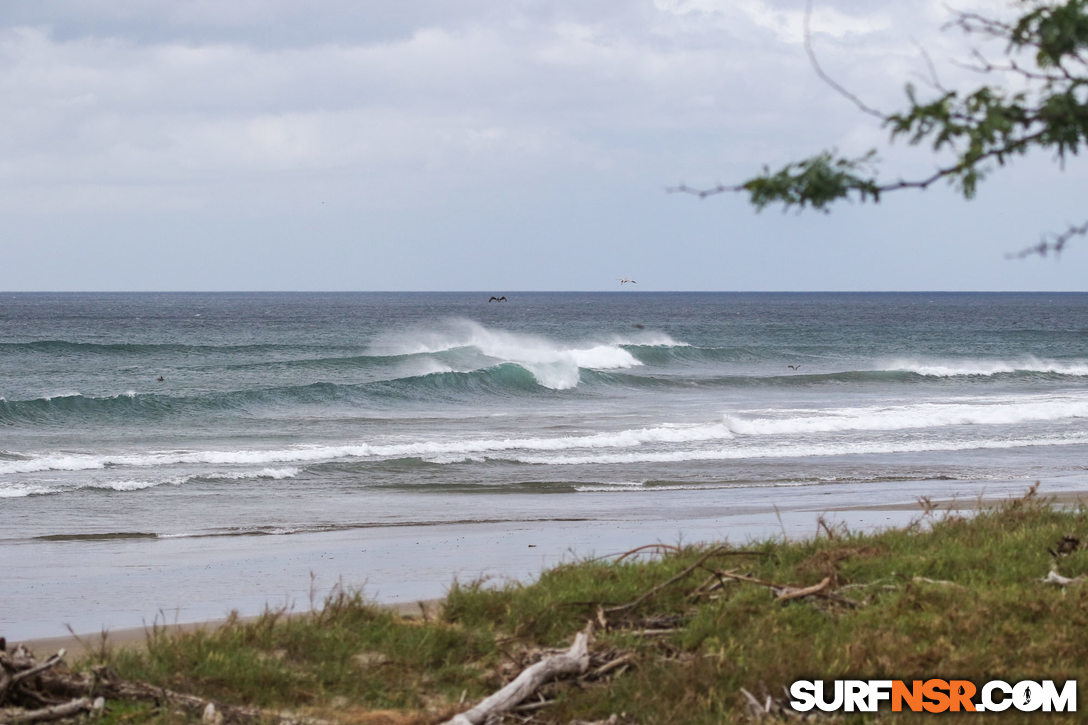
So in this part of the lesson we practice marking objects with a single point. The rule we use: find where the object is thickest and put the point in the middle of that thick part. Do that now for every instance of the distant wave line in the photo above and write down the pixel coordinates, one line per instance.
(303, 529)
(802, 451)
(750, 425)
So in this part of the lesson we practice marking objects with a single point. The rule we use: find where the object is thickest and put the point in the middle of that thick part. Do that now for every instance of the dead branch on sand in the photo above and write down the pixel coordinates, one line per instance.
(574, 661)
(32, 691)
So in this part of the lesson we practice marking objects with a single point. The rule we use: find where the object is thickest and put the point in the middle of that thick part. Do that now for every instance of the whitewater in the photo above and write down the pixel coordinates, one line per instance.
(282, 420)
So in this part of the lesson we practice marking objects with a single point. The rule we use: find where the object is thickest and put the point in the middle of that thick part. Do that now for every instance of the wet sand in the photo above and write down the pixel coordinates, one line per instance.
(123, 586)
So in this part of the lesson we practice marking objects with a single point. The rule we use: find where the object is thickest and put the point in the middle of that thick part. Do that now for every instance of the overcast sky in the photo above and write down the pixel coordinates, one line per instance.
(490, 145)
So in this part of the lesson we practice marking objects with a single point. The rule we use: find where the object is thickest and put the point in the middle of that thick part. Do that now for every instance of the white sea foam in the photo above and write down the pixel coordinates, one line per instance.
(553, 364)
(56, 462)
(831, 448)
(955, 368)
(306, 454)
(67, 394)
(604, 357)
(915, 416)
(419, 367)
(275, 474)
(21, 490)
(993, 416)
(125, 484)
(650, 338)
(628, 487)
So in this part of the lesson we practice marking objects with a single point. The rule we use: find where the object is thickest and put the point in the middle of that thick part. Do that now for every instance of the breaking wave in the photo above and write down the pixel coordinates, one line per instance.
(990, 368)
(939, 425)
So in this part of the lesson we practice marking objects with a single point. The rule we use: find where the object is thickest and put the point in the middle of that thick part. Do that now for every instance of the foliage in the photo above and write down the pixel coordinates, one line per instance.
(949, 596)
(1044, 59)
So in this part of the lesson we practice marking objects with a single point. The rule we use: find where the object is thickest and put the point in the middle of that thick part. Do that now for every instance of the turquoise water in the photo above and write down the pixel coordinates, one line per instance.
(300, 414)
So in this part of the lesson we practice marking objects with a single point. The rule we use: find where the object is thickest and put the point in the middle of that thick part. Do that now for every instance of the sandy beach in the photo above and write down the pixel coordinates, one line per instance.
(79, 645)
(395, 443)
(126, 586)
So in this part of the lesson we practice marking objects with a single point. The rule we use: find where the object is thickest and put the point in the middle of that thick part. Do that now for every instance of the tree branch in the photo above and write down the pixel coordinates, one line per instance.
(985, 125)
(865, 108)
(1054, 243)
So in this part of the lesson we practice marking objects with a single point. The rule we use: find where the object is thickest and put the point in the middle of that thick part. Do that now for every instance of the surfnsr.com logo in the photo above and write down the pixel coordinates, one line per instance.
(933, 695)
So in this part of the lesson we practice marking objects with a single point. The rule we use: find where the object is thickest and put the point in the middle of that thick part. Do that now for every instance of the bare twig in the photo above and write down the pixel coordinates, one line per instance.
(672, 580)
(574, 661)
(632, 552)
(609, 666)
(939, 582)
(1051, 243)
(48, 664)
(53, 712)
(785, 592)
(934, 80)
(791, 593)
(1062, 581)
(865, 108)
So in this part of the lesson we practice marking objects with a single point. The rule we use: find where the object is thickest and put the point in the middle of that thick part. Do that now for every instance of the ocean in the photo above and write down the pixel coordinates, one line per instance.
(183, 454)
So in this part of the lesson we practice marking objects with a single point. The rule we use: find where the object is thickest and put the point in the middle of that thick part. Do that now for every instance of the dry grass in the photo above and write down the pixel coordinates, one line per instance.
(950, 597)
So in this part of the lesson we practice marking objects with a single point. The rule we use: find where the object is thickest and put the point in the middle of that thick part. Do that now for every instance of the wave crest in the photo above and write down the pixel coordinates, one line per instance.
(469, 345)
(987, 368)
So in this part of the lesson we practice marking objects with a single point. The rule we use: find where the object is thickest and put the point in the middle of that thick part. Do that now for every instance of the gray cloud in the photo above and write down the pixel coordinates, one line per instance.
(395, 118)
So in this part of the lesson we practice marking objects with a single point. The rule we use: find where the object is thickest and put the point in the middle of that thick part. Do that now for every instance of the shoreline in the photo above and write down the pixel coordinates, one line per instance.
(79, 645)
(794, 524)
(1064, 498)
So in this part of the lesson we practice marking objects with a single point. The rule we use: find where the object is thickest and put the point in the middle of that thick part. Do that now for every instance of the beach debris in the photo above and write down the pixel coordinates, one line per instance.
(1061, 581)
(105, 681)
(211, 715)
(786, 592)
(29, 694)
(672, 580)
(771, 709)
(937, 582)
(33, 691)
(573, 661)
(1067, 545)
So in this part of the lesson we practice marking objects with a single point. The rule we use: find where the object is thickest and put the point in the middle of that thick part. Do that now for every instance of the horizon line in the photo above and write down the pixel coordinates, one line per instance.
(535, 291)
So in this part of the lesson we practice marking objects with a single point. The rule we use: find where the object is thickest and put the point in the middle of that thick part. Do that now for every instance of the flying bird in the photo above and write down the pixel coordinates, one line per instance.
(794, 367)
(624, 280)
(497, 299)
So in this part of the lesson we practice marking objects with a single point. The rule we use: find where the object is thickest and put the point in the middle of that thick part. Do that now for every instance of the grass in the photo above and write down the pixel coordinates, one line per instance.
(950, 597)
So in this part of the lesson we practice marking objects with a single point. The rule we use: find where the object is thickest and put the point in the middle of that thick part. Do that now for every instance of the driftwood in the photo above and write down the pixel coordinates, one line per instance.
(784, 592)
(939, 582)
(1062, 581)
(106, 683)
(769, 708)
(787, 593)
(574, 661)
(55, 712)
(650, 593)
(32, 691)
